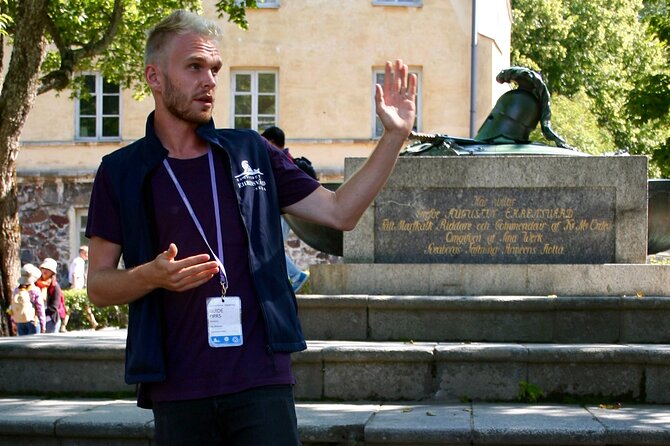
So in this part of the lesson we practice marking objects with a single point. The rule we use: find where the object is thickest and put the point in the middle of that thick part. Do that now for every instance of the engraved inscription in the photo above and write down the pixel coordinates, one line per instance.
(495, 225)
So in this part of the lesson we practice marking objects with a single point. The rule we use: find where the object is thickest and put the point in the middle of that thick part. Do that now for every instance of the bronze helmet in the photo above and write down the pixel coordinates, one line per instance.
(515, 115)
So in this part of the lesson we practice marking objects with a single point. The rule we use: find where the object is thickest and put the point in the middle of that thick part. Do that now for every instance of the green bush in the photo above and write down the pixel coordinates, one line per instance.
(77, 304)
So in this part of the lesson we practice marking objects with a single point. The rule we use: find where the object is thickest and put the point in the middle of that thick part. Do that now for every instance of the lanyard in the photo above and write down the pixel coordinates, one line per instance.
(217, 216)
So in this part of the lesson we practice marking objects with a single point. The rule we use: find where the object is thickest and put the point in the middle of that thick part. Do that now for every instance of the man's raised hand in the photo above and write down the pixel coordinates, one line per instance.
(395, 100)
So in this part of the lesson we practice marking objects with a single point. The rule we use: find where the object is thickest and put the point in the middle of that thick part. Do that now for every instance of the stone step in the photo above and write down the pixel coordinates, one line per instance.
(95, 422)
(91, 363)
(457, 279)
(562, 319)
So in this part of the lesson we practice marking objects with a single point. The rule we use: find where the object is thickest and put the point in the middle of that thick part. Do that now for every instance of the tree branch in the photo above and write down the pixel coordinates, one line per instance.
(69, 58)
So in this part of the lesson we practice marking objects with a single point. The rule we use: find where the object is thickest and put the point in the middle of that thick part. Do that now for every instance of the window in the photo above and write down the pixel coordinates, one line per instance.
(99, 109)
(262, 3)
(397, 2)
(254, 104)
(378, 78)
(78, 217)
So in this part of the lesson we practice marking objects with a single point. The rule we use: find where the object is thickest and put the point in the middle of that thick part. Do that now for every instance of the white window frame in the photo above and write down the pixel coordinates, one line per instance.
(267, 4)
(377, 128)
(262, 3)
(77, 229)
(255, 94)
(397, 2)
(99, 96)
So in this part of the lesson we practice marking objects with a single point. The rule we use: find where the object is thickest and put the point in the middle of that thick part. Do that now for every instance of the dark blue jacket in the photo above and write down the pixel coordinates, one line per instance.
(127, 171)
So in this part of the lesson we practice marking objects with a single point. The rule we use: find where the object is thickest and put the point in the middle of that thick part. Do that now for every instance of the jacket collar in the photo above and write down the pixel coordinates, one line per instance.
(153, 151)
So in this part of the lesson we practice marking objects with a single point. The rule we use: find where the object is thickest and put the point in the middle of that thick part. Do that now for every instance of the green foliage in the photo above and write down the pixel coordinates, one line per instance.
(656, 13)
(78, 23)
(610, 50)
(6, 20)
(529, 393)
(651, 98)
(661, 159)
(82, 22)
(77, 304)
(585, 133)
(236, 10)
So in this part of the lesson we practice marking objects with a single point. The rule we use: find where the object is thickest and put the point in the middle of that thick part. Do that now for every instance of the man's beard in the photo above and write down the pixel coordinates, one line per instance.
(178, 104)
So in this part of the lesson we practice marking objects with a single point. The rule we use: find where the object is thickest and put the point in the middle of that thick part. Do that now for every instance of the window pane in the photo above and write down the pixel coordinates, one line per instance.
(266, 105)
(109, 87)
(265, 122)
(266, 82)
(110, 105)
(87, 127)
(110, 127)
(379, 128)
(242, 122)
(242, 104)
(243, 83)
(83, 220)
(397, 2)
(89, 82)
(87, 106)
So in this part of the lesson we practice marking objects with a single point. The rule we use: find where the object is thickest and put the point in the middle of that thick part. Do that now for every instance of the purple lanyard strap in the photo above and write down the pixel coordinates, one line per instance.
(217, 216)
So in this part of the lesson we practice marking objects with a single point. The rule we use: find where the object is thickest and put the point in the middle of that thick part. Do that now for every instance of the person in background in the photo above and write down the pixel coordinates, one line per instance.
(298, 278)
(52, 295)
(41, 318)
(26, 307)
(77, 269)
(195, 213)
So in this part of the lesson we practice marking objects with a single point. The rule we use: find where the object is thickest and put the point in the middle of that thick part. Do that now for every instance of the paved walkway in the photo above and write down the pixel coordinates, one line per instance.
(96, 421)
(90, 421)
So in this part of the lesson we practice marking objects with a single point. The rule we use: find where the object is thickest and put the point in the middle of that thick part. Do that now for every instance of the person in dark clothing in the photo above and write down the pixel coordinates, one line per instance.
(194, 211)
(277, 138)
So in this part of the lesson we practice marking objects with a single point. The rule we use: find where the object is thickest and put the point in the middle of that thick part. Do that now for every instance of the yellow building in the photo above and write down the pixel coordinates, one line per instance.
(308, 66)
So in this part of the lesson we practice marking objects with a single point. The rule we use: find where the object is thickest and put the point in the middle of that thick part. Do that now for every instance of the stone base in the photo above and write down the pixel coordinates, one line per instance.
(492, 279)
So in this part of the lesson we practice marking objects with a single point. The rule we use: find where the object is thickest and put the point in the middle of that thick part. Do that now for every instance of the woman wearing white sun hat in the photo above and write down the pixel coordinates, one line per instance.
(52, 294)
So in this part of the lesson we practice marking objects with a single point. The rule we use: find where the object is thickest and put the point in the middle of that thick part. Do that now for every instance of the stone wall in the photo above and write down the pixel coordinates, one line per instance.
(48, 206)
(303, 255)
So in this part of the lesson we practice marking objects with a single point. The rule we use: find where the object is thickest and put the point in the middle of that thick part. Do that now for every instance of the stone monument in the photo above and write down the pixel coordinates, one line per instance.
(468, 221)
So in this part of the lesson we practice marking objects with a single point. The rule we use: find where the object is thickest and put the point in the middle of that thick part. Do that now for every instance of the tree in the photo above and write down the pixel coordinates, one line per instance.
(102, 35)
(653, 102)
(604, 48)
(585, 132)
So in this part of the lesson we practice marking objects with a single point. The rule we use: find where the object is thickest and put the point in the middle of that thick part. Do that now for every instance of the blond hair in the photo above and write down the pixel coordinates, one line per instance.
(178, 23)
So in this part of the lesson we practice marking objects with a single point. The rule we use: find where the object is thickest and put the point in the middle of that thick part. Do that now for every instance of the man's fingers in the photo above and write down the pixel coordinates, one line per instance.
(199, 268)
(171, 252)
(194, 276)
(191, 261)
(180, 275)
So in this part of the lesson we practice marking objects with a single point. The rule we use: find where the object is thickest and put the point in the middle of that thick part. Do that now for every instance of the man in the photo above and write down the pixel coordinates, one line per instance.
(77, 277)
(77, 269)
(298, 278)
(212, 318)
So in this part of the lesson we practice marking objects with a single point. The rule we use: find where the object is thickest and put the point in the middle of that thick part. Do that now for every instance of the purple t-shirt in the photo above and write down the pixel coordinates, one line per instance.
(194, 369)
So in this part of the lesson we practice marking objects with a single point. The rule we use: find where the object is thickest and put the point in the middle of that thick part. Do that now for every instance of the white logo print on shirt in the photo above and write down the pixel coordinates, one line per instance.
(250, 177)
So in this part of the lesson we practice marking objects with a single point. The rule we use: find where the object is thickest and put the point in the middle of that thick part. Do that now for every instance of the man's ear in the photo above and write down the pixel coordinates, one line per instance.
(152, 76)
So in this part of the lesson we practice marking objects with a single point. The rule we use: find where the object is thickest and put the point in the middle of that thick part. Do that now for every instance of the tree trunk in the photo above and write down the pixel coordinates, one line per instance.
(18, 96)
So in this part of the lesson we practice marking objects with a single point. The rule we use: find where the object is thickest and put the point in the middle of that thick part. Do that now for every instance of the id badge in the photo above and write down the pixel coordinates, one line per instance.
(224, 321)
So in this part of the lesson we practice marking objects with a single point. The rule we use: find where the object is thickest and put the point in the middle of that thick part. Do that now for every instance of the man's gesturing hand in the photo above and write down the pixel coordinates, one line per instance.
(184, 274)
(395, 99)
